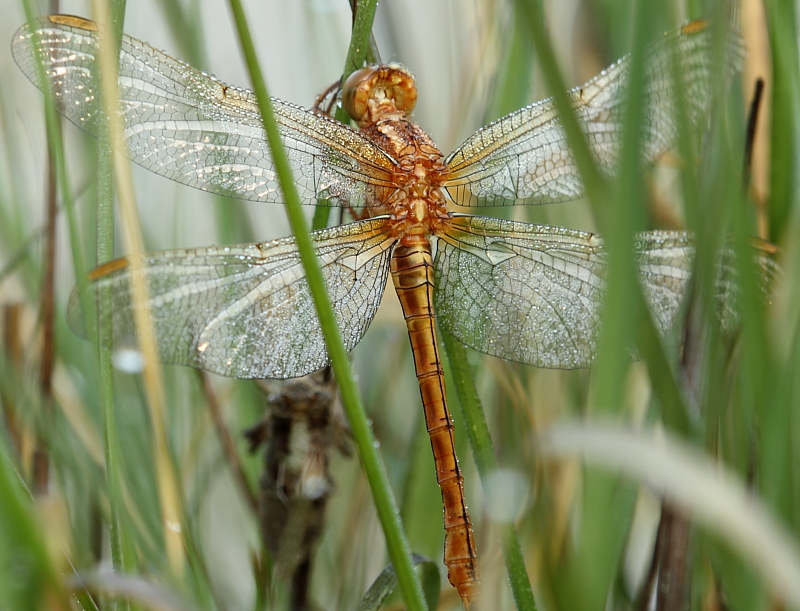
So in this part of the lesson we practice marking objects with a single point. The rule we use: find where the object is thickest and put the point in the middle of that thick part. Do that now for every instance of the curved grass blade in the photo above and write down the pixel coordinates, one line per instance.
(386, 583)
(386, 507)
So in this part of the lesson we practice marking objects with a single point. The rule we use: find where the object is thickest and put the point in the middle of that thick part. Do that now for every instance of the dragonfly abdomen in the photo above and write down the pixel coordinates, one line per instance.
(412, 274)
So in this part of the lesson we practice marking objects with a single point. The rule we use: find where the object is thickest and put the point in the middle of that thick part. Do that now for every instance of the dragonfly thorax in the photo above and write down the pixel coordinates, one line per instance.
(417, 201)
(419, 214)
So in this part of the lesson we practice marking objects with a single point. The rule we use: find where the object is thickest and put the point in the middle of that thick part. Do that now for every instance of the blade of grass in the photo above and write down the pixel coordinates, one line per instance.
(694, 481)
(385, 505)
(486, 461)
(782, 20)
(386, 583)
(166, 477)
(626, 217)
(607, 507)
(357, 54)
(121, 556)
(532, 15)
(41, 465)
(28, 579)
(57, 154)
(773, 389)
(359, 48)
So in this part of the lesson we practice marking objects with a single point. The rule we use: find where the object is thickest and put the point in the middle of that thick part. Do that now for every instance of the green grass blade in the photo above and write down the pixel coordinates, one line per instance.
(169, 493)
(481, 443)
(386, 583)
(28, 578)
(357, 54)
(121, 557)
(362, 435)
(782, 20)
(532, 15)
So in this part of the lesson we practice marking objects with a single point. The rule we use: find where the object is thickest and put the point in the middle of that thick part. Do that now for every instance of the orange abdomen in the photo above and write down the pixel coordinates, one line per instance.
(412, 274)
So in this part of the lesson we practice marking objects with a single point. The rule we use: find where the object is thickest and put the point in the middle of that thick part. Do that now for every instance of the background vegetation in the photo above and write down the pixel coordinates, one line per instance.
(585, 456)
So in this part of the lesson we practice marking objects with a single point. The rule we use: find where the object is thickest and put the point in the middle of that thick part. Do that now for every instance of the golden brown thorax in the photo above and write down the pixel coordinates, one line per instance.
(380, 99)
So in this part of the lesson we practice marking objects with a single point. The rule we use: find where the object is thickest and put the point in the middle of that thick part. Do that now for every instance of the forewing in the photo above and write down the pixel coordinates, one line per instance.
(246, 311)
(524, 157)
(188, 126)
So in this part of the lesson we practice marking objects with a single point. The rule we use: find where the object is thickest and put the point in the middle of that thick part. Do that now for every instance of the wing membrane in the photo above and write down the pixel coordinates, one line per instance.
(246, 311)
(188, 126)
(532, 293)
(525, 157)
(523, 292)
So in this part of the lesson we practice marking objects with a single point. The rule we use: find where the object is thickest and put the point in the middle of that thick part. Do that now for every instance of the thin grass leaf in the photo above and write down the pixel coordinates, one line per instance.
(483, 452)
(713, 496)
(386, 583)
(170, 500)
(385, 505)
(28, 577)
(357, 54)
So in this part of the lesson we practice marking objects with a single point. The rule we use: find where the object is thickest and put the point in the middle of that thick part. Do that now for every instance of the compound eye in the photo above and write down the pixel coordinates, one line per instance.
(356, 92)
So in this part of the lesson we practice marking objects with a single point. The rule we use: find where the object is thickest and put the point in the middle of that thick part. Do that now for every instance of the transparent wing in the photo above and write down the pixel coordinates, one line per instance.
(524, 157)
(528, 293)
(188, 126)
(532, 293)
(246, 311)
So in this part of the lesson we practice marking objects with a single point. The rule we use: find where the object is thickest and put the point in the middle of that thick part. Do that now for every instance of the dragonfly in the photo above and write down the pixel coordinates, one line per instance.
(519, 291)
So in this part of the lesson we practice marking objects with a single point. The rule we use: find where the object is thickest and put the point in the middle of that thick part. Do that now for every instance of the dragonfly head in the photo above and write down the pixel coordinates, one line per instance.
(377, 90)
